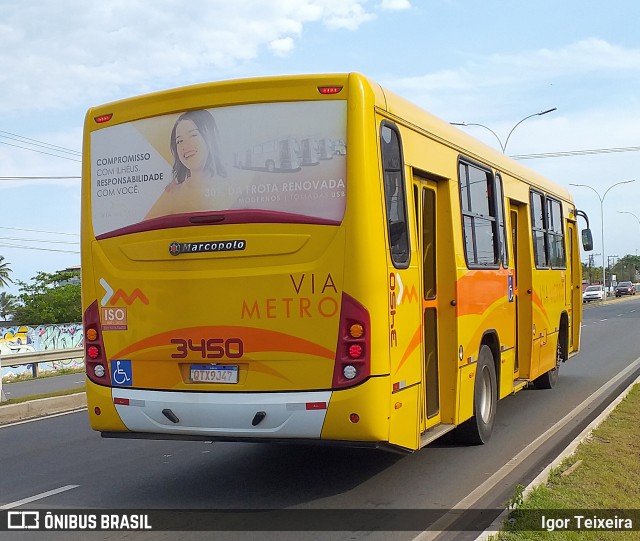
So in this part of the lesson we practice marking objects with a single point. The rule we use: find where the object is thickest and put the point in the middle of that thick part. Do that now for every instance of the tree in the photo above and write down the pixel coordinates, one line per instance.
(7, 305)
(5, 271)
(626, 268)
(51, 298)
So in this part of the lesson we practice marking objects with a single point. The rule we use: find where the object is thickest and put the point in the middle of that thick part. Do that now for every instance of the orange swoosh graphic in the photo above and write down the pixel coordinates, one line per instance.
(477, 290)
(413, 344)
(254, 340)
(135, 294)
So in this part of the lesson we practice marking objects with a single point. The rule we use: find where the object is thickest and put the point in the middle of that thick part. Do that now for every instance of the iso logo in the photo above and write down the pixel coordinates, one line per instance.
(23, 520)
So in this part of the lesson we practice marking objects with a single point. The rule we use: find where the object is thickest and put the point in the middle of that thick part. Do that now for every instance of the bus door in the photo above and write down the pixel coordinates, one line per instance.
(572, 293)
(522, 289)
(513, 217)
(425, 212)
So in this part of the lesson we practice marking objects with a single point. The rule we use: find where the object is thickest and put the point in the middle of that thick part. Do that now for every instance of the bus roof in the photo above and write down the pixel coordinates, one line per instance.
(444, 132)
(291, 87)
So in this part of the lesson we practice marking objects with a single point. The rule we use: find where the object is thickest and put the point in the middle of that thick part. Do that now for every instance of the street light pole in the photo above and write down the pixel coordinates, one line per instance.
(604, 276)
(632, 214)
(503, 147)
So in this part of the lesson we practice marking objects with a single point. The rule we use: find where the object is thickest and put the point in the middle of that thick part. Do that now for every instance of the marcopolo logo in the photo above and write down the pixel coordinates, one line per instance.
(177, 248)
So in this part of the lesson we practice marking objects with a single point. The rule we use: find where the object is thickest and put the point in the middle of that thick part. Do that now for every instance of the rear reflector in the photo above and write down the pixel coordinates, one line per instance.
(316, 405)
(121, 401)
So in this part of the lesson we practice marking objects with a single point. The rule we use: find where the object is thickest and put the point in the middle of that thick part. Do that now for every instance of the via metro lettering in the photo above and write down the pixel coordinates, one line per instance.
(310, 295)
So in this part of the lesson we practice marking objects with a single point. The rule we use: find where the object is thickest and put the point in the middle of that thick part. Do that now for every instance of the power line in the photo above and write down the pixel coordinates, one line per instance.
(34, 248)
(40, 231)
(35, 142)
(563, 154)
(40, 240)
(38, 178)
(40, 152)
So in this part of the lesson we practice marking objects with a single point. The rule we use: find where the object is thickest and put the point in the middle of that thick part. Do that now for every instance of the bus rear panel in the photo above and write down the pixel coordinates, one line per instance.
(214, 296)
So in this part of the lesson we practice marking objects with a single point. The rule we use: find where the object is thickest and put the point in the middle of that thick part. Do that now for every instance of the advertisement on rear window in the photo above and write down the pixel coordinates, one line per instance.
(278, 157)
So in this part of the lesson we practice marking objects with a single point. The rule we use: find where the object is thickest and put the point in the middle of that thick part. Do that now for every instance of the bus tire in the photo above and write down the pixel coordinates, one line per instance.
(549, 379)
(477, 430)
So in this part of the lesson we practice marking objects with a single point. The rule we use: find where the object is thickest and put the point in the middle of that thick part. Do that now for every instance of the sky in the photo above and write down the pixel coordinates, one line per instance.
(483, 62)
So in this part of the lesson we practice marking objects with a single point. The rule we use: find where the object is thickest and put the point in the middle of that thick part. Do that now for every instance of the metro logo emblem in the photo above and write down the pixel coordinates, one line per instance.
(129, 299)
(112, 297)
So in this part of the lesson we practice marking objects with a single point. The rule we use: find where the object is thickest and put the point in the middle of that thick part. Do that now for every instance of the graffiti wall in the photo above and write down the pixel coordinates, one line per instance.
(27, 339)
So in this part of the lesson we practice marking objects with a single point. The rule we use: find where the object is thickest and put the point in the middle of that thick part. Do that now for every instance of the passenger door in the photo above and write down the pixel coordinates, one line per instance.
(425, 201)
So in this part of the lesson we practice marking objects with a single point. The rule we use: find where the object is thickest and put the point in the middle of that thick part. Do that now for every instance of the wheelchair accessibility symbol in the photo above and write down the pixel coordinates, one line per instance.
(121, 373)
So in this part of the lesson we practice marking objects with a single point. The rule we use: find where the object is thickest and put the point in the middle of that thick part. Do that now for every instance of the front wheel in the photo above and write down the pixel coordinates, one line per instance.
(477, 430)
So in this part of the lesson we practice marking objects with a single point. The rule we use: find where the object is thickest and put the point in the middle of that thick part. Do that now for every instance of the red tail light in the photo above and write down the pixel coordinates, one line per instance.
(95, 359)
(353, 362)
(103, 118)
(329, 89)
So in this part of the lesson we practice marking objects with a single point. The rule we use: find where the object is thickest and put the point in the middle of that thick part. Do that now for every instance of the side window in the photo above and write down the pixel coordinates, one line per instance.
(479, 217)
(557, 256)
(394, 194)
(539, 229)
(502, 230)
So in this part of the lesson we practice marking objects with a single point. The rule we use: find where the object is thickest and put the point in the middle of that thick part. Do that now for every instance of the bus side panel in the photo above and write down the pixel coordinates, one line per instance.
(102, 412)
(403, 429)
(372, 423)
(405, 335)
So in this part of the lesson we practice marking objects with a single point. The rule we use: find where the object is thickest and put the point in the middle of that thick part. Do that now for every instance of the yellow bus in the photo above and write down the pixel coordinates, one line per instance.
(379, 298)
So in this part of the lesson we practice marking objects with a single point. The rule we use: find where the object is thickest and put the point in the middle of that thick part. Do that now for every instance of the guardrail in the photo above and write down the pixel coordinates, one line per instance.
(36, 357)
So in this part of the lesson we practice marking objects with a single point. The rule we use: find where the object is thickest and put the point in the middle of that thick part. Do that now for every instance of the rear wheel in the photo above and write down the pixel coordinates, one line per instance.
(549, 379)
(477, 430)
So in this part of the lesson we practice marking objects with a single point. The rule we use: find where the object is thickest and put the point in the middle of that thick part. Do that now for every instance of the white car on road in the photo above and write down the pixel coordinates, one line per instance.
(593, 293)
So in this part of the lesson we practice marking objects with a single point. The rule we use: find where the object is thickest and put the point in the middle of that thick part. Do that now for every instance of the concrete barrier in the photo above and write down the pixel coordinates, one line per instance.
(11, 413)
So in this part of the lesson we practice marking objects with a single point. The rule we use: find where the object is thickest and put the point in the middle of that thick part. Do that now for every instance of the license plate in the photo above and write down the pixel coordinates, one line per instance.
(214, 374)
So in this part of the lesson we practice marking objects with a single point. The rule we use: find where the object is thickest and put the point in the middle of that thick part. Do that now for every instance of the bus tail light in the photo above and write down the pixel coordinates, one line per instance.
(353, 363)
(103, 118)
(95, 359)
(329, 89)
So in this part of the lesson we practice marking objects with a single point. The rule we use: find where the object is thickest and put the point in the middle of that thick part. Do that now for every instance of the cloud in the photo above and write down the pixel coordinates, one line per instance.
(282, 46)
(57, 54)
(395, 5)
(580, 58)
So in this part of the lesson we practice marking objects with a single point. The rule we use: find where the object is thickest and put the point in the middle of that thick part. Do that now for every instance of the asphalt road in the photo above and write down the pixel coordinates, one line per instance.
(43, 385)
(62, 453)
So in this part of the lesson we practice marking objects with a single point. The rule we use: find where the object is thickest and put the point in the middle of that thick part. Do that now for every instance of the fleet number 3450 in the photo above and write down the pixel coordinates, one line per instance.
(212, 348)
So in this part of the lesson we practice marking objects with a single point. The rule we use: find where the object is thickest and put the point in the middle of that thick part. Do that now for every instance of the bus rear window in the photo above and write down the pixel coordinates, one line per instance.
(260, 162)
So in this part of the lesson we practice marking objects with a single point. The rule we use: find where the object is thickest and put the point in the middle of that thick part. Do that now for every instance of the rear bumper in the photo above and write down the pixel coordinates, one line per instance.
(232, 416)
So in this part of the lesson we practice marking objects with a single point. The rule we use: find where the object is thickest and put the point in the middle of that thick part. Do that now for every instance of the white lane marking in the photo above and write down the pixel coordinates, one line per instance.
(468, 502)
(603, 320)
(38, 497)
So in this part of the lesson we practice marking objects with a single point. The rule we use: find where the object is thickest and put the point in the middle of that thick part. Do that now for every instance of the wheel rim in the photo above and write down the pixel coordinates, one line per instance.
(486, 391)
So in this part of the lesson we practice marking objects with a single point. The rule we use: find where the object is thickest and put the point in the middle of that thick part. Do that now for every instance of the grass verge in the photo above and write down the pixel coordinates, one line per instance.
(601, 475)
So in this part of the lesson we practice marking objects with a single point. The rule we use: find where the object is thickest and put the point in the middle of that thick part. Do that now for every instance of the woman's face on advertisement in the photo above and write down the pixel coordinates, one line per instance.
(191, 146)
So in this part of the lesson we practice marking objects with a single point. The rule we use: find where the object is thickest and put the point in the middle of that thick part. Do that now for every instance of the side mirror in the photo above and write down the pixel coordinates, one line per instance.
(587, 240)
